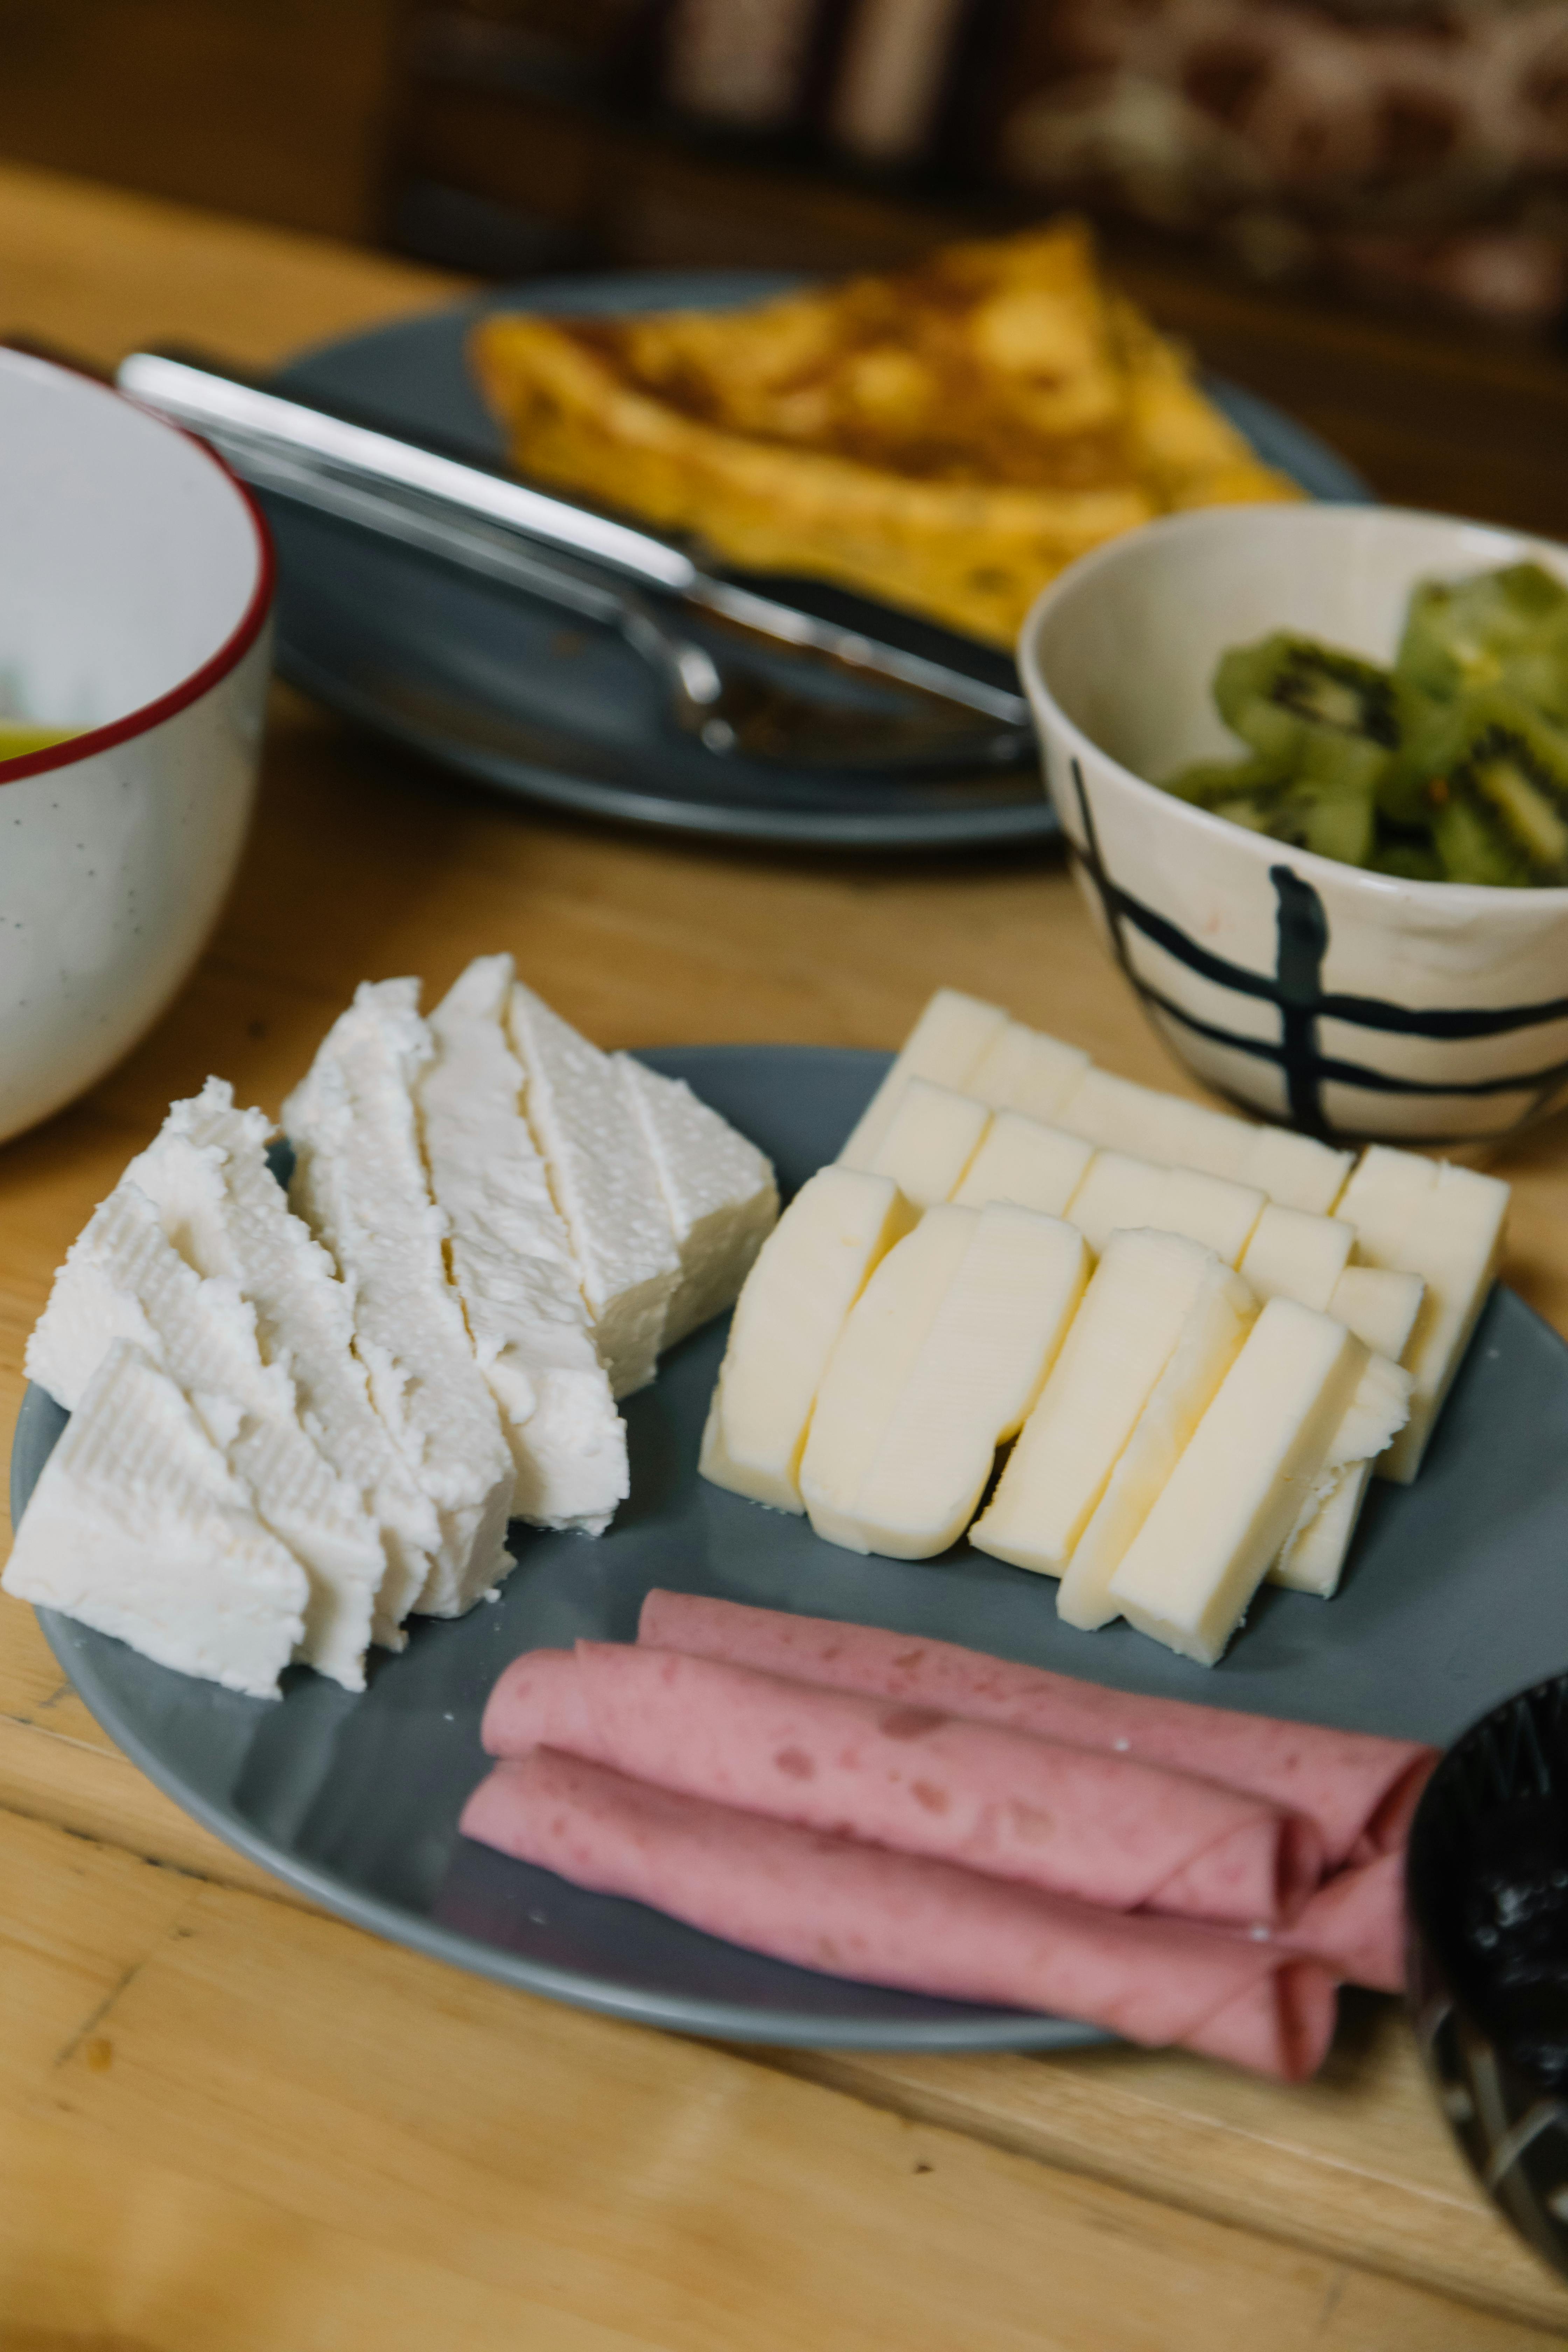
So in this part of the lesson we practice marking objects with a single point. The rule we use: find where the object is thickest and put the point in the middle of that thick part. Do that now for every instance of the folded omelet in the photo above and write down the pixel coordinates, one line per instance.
(947, 437)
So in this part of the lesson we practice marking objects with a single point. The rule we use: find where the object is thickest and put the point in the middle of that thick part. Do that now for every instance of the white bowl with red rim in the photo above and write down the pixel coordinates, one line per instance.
(1351, 1004)
(136, 586)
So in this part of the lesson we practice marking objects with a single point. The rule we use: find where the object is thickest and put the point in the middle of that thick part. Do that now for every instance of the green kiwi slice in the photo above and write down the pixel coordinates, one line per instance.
(1461, 636)
(1286, 693)
(1499, 809)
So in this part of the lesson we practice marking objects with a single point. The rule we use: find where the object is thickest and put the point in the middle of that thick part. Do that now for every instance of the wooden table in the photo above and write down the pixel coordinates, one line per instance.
(228, 2123)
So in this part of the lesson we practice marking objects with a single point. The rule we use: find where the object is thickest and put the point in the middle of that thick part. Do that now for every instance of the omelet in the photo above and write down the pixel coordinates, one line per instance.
(946, 437)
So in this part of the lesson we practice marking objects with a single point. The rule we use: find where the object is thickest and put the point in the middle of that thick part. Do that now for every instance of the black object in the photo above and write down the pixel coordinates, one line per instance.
(1488, 1960)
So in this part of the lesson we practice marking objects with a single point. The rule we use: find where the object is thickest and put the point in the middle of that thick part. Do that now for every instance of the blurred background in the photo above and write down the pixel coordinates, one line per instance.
(1385, 152)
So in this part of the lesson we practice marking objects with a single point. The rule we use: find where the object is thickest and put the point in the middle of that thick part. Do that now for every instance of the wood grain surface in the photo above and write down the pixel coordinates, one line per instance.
(227, 2121)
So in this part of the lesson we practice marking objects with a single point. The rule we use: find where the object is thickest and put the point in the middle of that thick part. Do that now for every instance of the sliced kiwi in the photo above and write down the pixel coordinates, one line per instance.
(1285, 694)
(1499, 808)
(1461, 636)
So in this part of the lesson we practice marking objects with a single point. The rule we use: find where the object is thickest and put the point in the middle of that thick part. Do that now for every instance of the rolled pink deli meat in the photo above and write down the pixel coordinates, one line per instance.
(1355, 1925)
(1360, 1789)
(1071, 1821)
(897, 1920)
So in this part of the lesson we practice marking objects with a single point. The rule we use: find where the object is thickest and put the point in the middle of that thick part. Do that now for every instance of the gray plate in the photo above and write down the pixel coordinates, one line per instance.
(1457, 1596)
(479, 681)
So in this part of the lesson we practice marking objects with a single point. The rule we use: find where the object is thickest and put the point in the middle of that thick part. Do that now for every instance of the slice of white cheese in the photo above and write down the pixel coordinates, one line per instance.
(1020, 1160)
(1414, 1215)
(360, 1183)
(946, 1046)
(1224, 1514)
(511, 1257)
(1121, 1338)
(720, 1191)
(1211, 1338)
(929, 1140)
(1024, 1070)
(1294, 1255)
(207, 1171)
(1313, 1557)
(139, 1527)
(1295, 1170)
(1118, 1194)
(1208, 1209)
(1379, 1307)
(605, 1185)
(974, 1377)
(809, 1273)
(124, 1268)
(1122, 1117)
(870, 1363)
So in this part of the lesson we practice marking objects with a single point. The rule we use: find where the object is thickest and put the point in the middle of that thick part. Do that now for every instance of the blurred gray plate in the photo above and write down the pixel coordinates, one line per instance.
(1457, 1596)
(509, 692)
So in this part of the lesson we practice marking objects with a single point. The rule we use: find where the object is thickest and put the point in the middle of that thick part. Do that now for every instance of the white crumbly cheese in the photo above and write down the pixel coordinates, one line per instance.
(974, 1379)
(1121, 1338)
(206, 1173)
(869, 1365)
(1414, 1215)
(124, 1275)
(1313, 1557)
(1294, 1255)
(929, 1140)
(719, 1189)
(946, 1046)
(605, 1185)
(1211, 1338)
(511, 1259)
(1118, 1194)
(809, 1273)
(1225, 1513)
(360, 1183)
(1024, 1070)
(139, 1527)
(1295, 1170)
(1023, 1160)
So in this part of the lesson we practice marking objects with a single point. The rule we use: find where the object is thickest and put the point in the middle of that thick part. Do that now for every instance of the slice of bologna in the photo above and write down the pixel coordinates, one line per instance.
(1069, 1819)
(897, 1920)
(1355, 1925)
(1360, 1789)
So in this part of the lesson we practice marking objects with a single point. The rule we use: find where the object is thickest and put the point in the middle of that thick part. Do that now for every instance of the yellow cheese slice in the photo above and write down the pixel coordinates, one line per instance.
(1294, 1255)
(946, 1046)
(1021, 1160)
(929, 1140)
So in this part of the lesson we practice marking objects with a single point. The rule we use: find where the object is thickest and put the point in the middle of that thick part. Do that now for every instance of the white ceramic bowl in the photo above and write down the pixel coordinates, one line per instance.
(135, 601)
(1345, 1002)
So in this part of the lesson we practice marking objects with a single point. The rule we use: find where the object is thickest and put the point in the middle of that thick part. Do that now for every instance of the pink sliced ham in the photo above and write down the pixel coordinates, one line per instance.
(1103, 1828)
(1355, 1925)
(1360, 1789)
(925, 1927)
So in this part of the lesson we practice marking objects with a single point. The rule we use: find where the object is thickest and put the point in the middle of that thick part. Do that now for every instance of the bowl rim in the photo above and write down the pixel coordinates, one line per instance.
(1393, 889)
(217, 665)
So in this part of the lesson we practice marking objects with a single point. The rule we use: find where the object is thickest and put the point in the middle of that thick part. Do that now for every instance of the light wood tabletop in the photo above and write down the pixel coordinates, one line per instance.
(229, 2124)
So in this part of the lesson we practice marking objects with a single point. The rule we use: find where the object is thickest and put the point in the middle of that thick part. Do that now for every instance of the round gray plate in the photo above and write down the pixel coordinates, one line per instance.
(507, 691)
(1456, 1597)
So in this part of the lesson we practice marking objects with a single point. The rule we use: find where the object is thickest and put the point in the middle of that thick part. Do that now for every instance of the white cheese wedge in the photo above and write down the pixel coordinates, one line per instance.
(870, 1363)
(1207, 1209)
(1024, 1070)
(1414, 1215)
(1118, 1193)
(719, 1190)
(208, 1174)
(929, 1140)
(945, 1045)
(1223, 1516)
(605, 1185)
(1211, 1338)
(1020, 1160)
(1297, 1170)
(1121, 1338)
(139, 1527)
(360, 1183)
(1314, 1553)
(124, 1269)
(1122, 1116)
(809, 1273)
(509, 1255)
(1294, 1255)
(974, 1377)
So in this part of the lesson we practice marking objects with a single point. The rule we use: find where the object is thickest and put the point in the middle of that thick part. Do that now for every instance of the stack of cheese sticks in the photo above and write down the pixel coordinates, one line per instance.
(1203, 1349)
(298, 1418)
